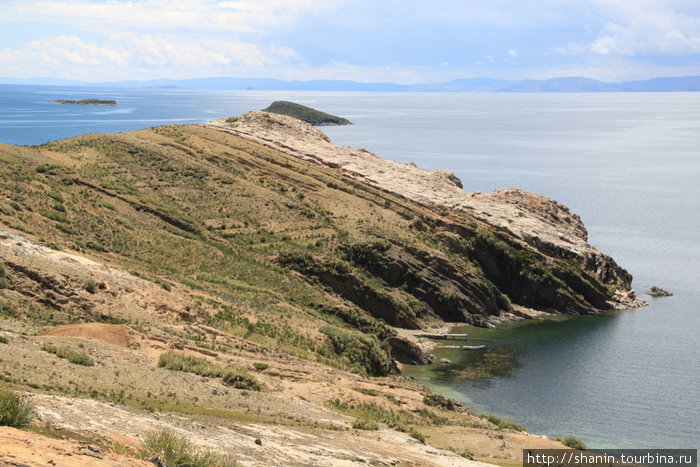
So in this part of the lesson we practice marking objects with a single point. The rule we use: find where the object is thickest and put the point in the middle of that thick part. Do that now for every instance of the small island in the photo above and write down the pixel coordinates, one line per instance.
(86, 102)
(306, 114)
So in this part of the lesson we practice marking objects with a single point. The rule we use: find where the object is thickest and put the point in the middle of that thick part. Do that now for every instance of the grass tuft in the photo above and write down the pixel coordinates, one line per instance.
(4, 283)
(572, 442)
(363, 424)
(177, 451)
(68, 354)
(239, 379)
(503, 424)
(15, 410)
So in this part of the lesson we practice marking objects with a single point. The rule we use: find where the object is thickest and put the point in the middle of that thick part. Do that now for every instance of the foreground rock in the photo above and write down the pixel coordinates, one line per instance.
(20, 448)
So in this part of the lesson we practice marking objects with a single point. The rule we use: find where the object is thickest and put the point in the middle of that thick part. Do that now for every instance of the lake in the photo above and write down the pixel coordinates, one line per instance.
(628, 164)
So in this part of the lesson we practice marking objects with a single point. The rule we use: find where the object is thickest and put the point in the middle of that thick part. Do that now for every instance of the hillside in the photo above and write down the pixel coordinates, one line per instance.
(244, 244)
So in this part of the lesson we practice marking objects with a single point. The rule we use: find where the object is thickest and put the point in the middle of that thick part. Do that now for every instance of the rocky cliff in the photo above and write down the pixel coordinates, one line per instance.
(532, 247)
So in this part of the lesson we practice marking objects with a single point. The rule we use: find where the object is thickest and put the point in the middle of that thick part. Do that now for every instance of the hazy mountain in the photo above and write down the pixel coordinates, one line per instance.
(562, 84)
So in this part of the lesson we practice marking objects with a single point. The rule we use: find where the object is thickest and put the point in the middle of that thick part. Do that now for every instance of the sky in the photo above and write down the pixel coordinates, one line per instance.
(402, 41)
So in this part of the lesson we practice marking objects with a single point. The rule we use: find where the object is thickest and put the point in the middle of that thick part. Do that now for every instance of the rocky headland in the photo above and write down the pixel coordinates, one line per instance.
(528, 222)
(252, 287)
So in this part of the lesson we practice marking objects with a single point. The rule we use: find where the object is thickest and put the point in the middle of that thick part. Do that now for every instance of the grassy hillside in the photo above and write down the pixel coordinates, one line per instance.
(260, 233)
(262, 273)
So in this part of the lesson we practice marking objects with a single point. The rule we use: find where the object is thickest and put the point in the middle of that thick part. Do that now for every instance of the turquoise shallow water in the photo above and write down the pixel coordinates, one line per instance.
(629, 164)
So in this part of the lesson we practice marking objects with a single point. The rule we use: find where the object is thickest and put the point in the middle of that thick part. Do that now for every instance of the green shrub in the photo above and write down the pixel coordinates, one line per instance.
(4, 283)
(417, 435)
(240, 379)
(177, 451)
(260, 366)
(572, 442)
(196, 365)
(15, 410)
(68, 354)
(363, 424)
(370, 256)
(91, 287)
(438, 400)
(503, 424)
(369, 392)
(361, 350)
(3, 340)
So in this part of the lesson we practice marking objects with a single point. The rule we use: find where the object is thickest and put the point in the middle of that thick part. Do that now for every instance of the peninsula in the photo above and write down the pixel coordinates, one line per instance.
(86, 102)
(244, 286)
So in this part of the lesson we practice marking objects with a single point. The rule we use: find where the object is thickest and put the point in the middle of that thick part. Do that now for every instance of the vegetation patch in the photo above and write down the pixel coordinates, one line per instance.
(236, 378)
(15, 410)
(240, 379)
(68, 354)
(362, 424)
(398, 419)
(176, 451)
(572, 442)
(503, 424)
(363, 352)
(438, 400)
(4, 282)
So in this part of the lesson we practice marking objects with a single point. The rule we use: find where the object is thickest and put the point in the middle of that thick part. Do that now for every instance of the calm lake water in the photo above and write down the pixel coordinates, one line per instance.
(628, 164)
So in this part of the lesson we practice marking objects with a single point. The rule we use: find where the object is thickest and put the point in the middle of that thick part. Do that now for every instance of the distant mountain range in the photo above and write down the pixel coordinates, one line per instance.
(569, 84)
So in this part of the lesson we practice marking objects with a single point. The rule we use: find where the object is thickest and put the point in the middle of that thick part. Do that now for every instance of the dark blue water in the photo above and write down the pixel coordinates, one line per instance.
(629, 164)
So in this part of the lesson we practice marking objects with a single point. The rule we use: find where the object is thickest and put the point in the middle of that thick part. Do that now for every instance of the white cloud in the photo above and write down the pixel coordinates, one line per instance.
(131, 55)
(164, 15)
(646, 27)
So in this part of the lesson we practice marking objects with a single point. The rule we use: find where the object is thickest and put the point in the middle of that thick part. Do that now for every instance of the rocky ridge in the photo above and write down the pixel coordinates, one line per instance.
(542, 223)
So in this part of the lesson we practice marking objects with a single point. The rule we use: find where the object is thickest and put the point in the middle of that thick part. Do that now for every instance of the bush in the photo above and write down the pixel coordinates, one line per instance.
(362, 424)
(261, 366)
(360, 350)
(15, 410)
(68, 354)
(3, 340)
(4, 283)
(239, 379)
(198, 366)
(572, 442)
(417, 435)
(503, 424)
(177, 451)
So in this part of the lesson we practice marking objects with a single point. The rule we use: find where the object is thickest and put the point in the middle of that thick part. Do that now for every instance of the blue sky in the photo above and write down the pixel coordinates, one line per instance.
(408, 41)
